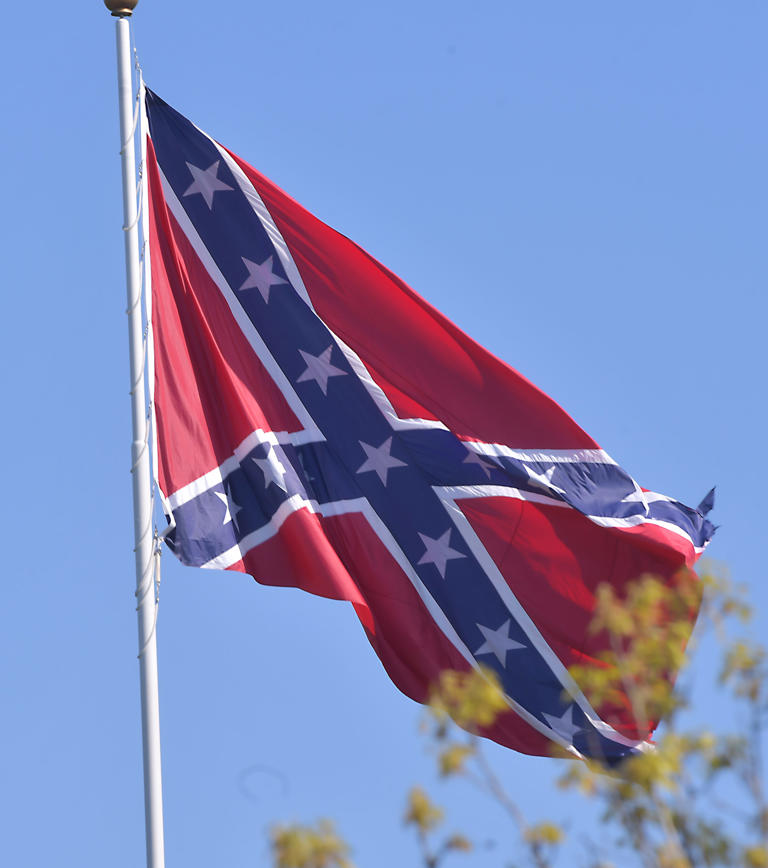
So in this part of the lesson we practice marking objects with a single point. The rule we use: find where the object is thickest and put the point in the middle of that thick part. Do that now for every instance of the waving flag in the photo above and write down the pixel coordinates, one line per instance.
(319, 425)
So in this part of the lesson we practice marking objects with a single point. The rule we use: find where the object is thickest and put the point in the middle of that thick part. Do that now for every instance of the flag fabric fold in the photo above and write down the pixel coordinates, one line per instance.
(319, 425)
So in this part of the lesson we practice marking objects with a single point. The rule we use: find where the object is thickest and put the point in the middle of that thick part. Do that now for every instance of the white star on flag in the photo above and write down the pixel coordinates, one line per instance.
(544, 480)
(319, 369)
(206, 183)
(637, 496)
(231, 509)
(272, 468)
(563, 726)
(498, 642)
(438, 551)
(261, 276)
(379, 459)
(485, 464)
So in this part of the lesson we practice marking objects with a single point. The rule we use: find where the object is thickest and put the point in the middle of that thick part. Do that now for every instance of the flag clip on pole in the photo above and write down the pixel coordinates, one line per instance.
(142, 488)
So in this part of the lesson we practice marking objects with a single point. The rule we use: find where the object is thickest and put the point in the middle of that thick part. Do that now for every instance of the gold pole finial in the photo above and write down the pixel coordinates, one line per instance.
(121, 8)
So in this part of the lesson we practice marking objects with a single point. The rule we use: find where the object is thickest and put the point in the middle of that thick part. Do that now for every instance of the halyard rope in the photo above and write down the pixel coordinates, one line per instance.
(150, 577)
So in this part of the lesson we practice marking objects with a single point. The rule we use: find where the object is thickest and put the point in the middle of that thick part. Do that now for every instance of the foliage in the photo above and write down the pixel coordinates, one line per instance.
(694, 800)
(426, 817)
(297, 846)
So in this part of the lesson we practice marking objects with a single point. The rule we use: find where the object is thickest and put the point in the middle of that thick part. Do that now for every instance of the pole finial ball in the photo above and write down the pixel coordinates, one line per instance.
(121, 8)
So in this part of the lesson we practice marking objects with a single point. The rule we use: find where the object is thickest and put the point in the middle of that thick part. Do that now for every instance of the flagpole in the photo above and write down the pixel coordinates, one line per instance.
(142, 487)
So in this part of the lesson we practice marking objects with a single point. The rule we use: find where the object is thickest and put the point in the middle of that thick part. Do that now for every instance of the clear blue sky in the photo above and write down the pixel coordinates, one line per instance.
(581, 187)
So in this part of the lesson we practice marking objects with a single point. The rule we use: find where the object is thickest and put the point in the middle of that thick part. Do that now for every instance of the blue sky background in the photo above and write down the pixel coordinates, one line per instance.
(581, 187)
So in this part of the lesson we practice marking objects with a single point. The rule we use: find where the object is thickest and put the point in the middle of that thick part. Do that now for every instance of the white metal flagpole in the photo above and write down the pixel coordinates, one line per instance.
(142, 486)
